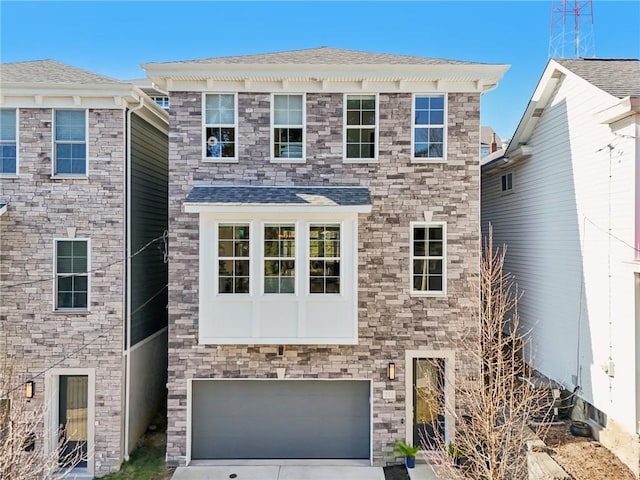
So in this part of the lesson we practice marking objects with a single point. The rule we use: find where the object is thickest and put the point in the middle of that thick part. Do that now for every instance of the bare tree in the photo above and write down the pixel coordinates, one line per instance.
(23, 453)
(494, 412)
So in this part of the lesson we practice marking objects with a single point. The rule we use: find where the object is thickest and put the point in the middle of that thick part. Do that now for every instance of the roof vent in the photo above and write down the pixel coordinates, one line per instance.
(537, 112)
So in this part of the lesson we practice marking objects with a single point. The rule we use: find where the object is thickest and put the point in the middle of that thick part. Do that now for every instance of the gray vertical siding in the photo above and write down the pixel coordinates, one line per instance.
(149, 273)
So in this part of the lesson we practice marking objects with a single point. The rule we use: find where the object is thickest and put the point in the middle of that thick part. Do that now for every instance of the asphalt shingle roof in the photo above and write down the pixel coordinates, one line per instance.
(259, 195)
(49, 71)
(618, 77)
(327, 56)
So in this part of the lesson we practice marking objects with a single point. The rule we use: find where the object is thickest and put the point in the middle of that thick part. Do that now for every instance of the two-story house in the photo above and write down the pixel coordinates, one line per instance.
(324, 230)
(83, 272)
(565, 198)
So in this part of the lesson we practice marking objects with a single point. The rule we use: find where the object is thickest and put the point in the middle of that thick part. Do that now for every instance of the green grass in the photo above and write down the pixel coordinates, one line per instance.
(146, 461)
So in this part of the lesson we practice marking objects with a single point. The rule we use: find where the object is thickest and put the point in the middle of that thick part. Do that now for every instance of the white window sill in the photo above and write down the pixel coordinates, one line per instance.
(428, 294)
(360, 160)
(69, 177)
(428, 160)
(71, 311)
(219, 160)
(9, 175)
(288, 160)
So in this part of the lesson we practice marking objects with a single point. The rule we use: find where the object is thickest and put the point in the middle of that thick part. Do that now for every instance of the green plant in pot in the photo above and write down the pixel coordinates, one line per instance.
(408, 451)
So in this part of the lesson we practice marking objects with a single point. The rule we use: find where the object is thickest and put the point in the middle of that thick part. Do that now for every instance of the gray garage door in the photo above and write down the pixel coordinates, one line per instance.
(234, 419)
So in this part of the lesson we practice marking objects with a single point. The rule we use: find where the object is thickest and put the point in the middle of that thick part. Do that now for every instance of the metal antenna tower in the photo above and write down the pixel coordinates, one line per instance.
(571, 33)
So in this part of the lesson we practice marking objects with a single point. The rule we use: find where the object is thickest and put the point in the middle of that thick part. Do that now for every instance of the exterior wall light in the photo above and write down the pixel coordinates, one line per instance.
(391, 371)
(29, 389)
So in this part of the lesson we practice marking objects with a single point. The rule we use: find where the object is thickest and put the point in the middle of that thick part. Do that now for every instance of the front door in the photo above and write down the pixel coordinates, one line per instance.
(428, 402)
(73, 420)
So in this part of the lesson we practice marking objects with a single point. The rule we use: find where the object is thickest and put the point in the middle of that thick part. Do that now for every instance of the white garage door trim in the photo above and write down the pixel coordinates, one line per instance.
(268, 462)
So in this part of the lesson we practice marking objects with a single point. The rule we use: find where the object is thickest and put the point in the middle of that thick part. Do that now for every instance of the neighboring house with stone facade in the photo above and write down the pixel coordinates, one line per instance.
(565, 199)
(83, 275)
(325, 236)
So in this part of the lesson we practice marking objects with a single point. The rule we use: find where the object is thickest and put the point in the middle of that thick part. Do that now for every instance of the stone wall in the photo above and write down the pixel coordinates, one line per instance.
(40, 210)
(390, 319)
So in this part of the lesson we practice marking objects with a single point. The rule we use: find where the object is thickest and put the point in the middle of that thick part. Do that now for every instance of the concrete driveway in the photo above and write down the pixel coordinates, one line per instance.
(292, 472)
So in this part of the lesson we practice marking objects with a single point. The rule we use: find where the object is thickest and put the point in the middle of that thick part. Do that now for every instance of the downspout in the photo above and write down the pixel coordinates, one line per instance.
(127, 348)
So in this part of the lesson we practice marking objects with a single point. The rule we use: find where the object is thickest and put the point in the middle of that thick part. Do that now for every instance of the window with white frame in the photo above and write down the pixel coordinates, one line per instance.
(288, 126)
(72, 275)
(428, 260)
(70, 140)
(324, 258)
(429, 129)
(279, 258)
(8, 139)
(233, 258)
(506, 182)
(161, 101)
(220, 125)
(360, 129)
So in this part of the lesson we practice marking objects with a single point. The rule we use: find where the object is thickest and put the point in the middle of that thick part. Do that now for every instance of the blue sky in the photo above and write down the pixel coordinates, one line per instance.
(113, 38)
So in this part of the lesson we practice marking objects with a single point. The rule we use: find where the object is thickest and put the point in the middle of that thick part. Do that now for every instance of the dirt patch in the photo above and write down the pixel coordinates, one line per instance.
(584, 458)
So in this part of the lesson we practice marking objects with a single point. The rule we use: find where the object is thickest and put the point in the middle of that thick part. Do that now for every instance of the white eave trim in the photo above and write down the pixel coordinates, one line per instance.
(624, 108)
(272, 207)
(522, 152)
(3, 209)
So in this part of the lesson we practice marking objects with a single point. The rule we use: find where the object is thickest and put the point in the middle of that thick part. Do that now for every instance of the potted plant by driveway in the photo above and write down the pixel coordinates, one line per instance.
(408, 451)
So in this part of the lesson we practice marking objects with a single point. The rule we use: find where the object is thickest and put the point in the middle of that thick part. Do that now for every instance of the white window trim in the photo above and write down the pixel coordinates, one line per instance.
(54, 163)
(449, 357)
(506, 191)
(420, 293)
(303, 159)
(17, 141)
(442, 159)
(68, 311)
(52, 396)
(344, 129)
(233, 159)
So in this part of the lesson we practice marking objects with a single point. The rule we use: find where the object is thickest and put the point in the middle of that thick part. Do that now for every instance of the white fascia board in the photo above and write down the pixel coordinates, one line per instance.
(552, 74)
(482, 77)
(3, 209)
(57, 95)
(626, 107)
(272, 207)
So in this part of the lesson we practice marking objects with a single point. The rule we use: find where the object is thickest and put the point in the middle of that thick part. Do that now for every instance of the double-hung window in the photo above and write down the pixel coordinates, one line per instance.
(8, 145)
(233, 258)
(506, 182)
(360, 129)
(70, 140)
(279, 258)
(220, 126)
(324, 258)
(429, 128)
(288, 126)
(428, 258)
(72, 275)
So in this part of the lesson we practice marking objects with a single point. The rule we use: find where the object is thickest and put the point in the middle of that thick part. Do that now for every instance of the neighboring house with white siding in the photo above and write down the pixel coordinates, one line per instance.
(565, 199)
(324, 222)
(83, 272)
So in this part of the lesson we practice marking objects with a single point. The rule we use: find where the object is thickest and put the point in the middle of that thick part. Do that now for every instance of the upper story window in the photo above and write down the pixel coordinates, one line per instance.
(279, 258)
(428, 258)
(324, 258)
(8, 142)
(72, 275)
(233, 258)
(288, 114)
(429, 129)
(161, 101)
(360, 127)
(70, 138)
(220, 125)
(506, 182)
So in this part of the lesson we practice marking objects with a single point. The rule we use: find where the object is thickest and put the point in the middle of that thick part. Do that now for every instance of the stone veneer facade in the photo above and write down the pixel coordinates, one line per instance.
(41, 209)
(390, 320)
